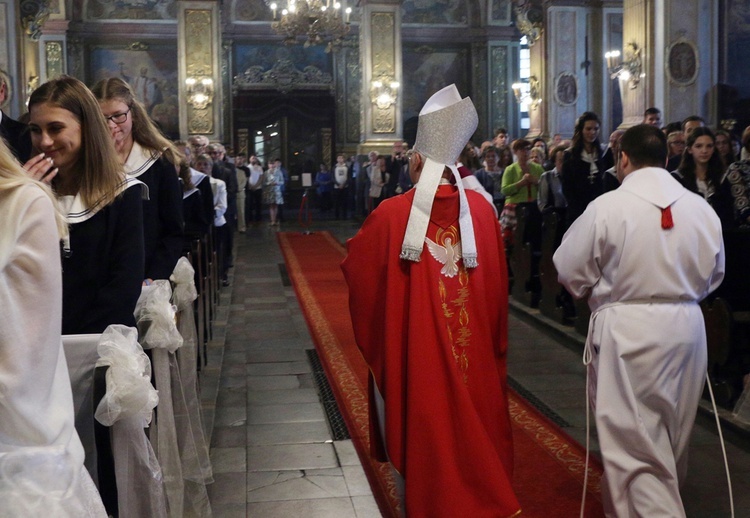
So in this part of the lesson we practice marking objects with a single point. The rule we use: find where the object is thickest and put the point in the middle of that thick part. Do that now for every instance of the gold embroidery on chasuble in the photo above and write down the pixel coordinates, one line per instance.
(454, 297)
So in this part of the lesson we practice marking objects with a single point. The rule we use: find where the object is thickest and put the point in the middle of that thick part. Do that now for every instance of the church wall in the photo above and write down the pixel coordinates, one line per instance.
(570, 43)
(735, 96)
(690, 71)
(473, 42)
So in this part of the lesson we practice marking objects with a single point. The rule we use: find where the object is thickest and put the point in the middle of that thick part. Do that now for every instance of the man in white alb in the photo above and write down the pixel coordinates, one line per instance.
(645, 254)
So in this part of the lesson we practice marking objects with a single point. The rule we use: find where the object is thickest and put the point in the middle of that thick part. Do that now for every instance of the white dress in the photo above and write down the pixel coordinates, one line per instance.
(646, 340)
(39, 445)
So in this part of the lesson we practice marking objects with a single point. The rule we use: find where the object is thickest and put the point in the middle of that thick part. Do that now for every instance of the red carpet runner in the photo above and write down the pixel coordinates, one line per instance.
(548, 477)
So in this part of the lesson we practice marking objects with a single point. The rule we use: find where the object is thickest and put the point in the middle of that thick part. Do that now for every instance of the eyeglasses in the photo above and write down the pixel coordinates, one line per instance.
(118, 118)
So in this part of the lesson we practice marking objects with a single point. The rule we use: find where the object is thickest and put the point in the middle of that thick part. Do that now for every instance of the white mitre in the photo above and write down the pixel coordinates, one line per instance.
(446, 123)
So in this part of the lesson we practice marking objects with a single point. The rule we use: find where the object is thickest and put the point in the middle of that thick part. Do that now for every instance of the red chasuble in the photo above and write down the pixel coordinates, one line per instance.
(436, 345)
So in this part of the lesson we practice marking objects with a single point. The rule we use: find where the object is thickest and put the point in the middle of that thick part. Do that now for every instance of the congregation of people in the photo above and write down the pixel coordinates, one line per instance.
(92, 171)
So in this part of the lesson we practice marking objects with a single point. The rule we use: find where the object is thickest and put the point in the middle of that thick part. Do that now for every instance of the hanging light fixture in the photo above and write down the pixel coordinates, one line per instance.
(318, 21)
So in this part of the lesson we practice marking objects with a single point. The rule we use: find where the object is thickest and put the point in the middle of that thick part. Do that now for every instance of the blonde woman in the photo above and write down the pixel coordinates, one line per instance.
(148, 156)
(38, 441)
(103, 255)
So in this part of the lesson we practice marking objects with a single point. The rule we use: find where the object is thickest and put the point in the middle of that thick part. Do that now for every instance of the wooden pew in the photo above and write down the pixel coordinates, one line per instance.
(554, 303)
(524, 258)
(88, 385)
(727, 315)
(124, 490)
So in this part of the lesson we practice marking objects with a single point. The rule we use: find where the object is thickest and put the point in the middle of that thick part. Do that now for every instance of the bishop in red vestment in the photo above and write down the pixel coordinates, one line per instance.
(432, 326)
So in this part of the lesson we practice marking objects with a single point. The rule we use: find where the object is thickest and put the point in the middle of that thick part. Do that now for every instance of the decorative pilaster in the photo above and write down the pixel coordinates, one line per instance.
(227, 52)
(52, 50)
(479, 87)
(503, 111)
(348, 81)
(199, 60)
(380, 44)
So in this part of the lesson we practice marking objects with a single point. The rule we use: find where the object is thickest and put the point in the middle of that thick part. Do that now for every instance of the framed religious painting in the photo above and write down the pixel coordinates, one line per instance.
(566, 89)
(151, 70)
(5, 78)
(682, 62)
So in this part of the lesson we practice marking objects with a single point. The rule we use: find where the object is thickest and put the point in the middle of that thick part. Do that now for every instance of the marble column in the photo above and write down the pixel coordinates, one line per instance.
(199, 58)
(380, 47)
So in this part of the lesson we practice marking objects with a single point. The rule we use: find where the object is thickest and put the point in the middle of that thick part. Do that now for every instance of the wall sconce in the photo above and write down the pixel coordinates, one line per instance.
(200, 91)
(631, 69)
(31, 85)
(528, 93)
(384, 92)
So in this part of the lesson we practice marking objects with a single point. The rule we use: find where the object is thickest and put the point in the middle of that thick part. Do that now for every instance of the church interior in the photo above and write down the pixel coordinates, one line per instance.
(304, 81)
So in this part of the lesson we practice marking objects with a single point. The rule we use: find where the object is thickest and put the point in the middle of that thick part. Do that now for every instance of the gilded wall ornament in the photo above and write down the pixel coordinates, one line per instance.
(283, 76)
(529, 19)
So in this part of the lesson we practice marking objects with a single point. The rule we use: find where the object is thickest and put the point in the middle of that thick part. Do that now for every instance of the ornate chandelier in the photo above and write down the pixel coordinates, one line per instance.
(319, 21)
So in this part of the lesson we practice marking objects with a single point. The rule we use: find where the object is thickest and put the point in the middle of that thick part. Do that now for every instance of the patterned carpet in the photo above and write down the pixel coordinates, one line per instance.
(549, 473)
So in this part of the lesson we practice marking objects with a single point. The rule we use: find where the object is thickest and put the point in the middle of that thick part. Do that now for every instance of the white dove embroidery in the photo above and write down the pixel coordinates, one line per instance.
(447, 255)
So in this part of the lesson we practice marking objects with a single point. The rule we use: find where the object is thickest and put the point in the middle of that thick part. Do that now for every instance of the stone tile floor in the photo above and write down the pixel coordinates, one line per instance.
(271, 446)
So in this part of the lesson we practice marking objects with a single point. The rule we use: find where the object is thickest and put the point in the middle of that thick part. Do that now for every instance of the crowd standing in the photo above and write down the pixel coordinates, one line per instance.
(131, 200)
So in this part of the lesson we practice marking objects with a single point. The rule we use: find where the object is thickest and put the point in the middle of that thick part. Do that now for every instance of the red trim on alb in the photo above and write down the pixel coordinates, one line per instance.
(666, 218)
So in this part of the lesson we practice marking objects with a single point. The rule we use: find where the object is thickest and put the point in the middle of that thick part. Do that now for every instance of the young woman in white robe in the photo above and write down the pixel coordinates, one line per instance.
(41, 456)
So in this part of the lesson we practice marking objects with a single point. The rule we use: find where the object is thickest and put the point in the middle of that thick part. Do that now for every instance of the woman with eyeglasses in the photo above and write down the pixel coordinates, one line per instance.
(102, 258)
(148, 156)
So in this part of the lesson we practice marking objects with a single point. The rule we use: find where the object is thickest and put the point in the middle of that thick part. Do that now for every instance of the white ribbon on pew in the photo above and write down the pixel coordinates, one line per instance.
(184, 292)
(196, 464)
(157, 330)
(129, 390)
(155, 318)
(127, 408)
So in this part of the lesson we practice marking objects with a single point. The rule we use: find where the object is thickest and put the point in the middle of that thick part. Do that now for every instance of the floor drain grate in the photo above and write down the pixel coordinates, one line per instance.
(285, 281)
(538, 403)
(335, 419)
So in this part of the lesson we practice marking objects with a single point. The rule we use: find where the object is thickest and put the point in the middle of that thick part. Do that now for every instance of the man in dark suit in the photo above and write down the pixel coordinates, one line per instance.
(15, 133)
(227, 172)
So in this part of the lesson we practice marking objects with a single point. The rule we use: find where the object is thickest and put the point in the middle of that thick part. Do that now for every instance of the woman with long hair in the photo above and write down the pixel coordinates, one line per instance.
(37, 423)
(701, 171)
(147, 155)
(103, 255)
(583, 166)
(724, 147)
